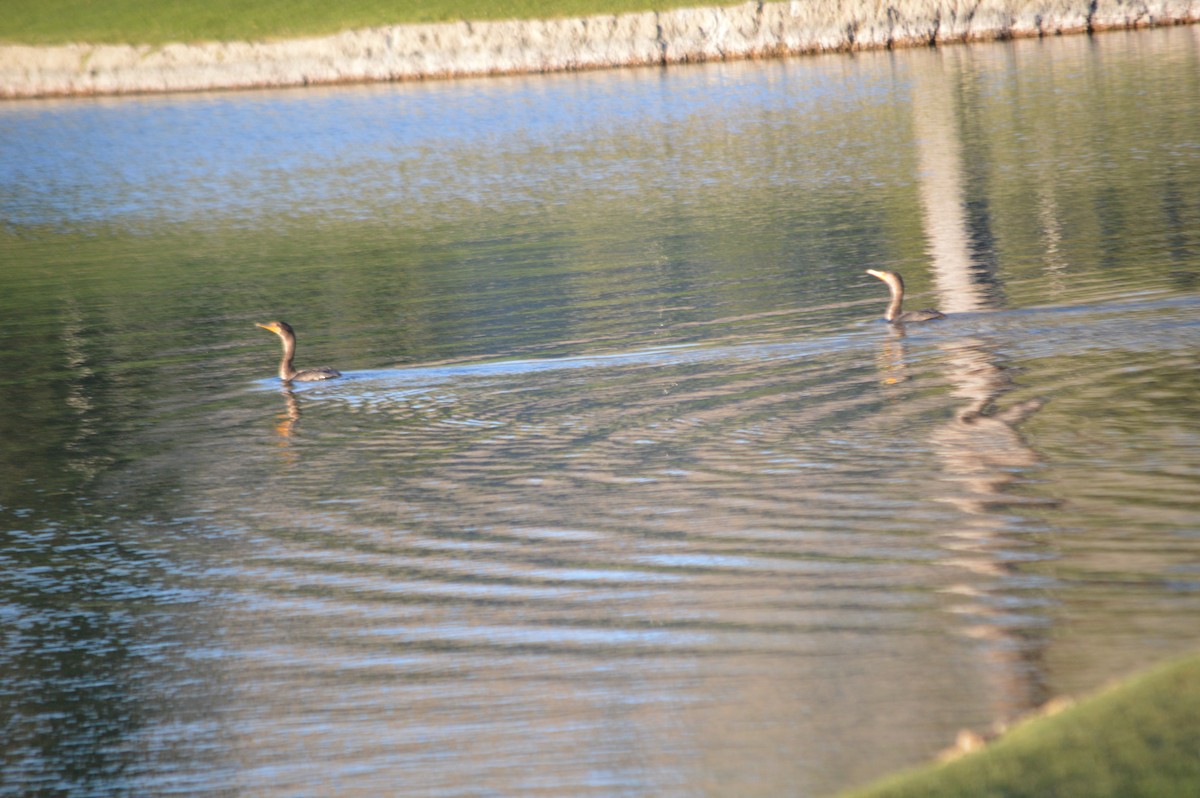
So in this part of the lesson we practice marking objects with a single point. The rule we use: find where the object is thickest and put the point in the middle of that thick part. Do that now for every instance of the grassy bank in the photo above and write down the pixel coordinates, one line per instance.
(155, 22)
(1141, 738)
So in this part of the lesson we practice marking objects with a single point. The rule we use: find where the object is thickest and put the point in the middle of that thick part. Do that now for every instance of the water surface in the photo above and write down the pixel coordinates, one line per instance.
(627, 490)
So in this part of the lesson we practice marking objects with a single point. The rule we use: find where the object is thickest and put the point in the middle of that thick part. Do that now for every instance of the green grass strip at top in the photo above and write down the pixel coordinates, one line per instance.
(45, 22)
(1141, 738)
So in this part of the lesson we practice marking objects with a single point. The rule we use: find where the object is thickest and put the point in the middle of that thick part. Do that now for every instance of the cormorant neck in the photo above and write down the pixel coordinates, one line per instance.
(286, 369)
(895, 284)
(893, 308)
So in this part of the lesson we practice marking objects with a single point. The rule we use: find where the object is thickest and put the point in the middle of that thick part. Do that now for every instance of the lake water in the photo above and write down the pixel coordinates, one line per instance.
(628, 489)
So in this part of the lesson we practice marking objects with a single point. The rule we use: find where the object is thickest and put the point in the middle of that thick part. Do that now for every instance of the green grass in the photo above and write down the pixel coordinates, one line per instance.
(1137, 740)
(161, 21)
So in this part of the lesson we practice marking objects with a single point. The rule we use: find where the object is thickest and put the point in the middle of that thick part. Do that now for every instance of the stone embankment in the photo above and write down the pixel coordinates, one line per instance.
(408, 52)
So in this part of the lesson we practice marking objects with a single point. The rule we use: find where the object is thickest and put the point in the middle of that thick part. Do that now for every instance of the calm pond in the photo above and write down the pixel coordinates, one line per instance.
(627, 488)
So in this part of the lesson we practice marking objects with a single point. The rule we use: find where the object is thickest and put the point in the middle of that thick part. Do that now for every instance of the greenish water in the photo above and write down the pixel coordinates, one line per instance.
(627, 489)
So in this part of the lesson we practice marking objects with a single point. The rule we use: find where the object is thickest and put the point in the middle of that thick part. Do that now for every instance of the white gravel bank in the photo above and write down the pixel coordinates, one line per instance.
(407, 52)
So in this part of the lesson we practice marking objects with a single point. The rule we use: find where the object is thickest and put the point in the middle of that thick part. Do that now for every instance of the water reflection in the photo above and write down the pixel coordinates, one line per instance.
(286, 424)
(957, 242)
(982, 453)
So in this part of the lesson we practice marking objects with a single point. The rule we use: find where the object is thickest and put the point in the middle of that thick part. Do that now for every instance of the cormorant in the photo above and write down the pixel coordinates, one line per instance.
(896, 284)
(287, 372)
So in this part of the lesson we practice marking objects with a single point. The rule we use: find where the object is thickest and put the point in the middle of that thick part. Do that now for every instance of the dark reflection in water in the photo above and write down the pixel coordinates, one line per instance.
(626, 489)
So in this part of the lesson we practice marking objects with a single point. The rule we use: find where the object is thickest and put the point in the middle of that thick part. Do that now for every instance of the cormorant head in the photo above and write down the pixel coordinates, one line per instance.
(280, 328)
(891, 278)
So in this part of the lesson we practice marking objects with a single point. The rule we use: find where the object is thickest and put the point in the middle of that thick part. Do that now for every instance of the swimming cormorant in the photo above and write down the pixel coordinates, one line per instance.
(287, 372)
(896, 284)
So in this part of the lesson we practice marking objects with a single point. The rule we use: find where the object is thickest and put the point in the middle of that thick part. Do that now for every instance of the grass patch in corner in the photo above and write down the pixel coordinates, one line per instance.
(1140, 739)
(45, 22)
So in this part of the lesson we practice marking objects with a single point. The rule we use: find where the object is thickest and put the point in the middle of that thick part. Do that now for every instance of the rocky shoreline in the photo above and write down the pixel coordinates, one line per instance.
(460, 49)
